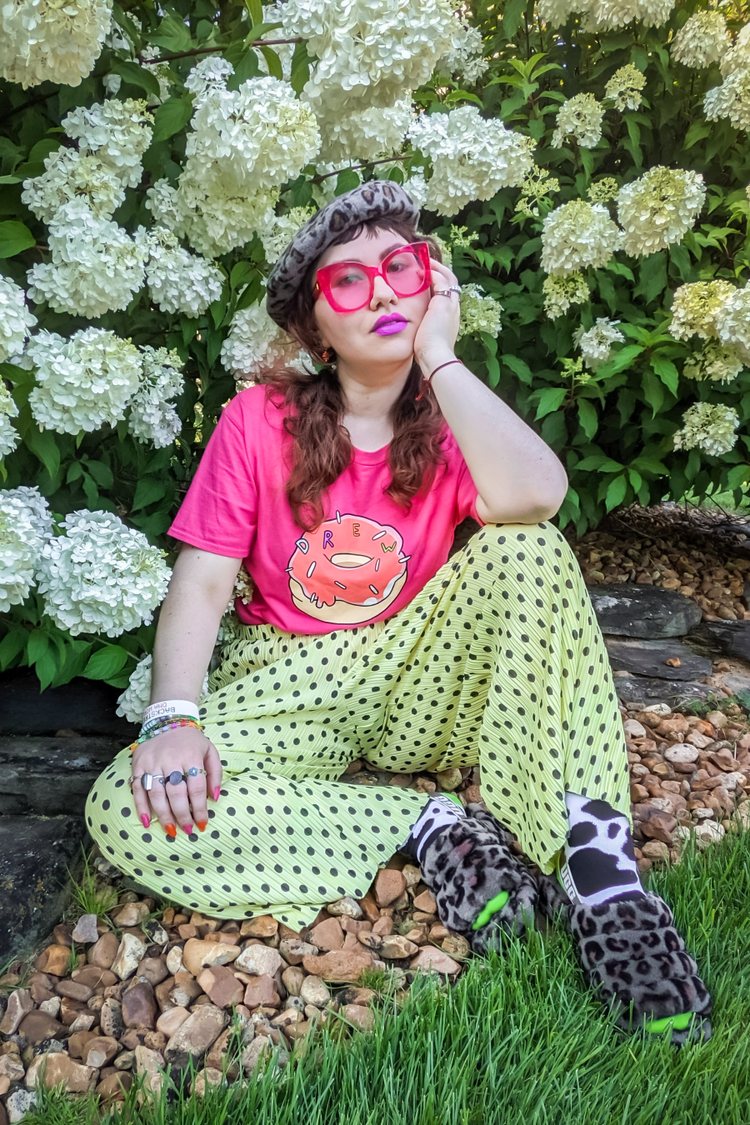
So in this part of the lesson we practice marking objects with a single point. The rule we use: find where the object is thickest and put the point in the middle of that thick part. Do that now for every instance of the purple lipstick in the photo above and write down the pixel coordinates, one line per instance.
(390, 325)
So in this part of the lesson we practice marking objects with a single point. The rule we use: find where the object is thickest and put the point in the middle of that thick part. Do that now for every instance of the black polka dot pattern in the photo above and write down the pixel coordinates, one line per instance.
(498, 661)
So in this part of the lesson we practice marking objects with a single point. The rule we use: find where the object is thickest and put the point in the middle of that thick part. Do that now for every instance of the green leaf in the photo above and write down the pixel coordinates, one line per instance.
(588, 417)
(147, 491)
(44, 447)
(347, 180)
(653, 276)
(597, 462)
(513, 13)
(550, 398)
(14, 238)
(140, 76)
(37, 645)
(653, 392)
(101, 473)
(106, 662)
(698, 131)
(273, 62)
(12, 645)
(519, 367)
(171, 118)
(667, 372)
(616, 493)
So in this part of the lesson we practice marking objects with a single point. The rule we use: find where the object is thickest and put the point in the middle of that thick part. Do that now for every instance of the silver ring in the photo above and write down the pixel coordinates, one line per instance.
(194, 771)
(176, 777)
(146, 779)
(446, 292)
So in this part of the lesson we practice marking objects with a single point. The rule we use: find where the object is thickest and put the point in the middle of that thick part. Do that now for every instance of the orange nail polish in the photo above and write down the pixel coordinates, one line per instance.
(170, 830)
(201, 825)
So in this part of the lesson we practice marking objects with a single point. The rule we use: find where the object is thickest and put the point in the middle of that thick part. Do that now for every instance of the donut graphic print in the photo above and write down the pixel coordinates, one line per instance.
(347, 570)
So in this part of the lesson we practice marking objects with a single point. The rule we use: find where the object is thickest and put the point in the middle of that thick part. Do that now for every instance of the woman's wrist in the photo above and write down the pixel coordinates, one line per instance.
(431, 358)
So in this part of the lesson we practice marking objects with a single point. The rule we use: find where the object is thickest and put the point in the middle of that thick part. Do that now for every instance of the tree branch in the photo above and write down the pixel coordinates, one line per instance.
(364, 164)
(215, 50)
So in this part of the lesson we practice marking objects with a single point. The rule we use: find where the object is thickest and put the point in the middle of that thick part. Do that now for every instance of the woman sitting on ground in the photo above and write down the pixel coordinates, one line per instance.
(341, 489)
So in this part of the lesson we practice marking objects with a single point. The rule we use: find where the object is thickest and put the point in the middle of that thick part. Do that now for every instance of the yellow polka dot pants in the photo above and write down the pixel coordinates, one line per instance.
(498, 661)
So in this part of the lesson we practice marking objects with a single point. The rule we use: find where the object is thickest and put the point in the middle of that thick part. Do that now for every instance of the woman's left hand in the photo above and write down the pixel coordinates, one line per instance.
(436, 335)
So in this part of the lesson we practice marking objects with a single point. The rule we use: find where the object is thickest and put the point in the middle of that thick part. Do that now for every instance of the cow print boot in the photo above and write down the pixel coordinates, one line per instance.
(626, 941)
(480, 886)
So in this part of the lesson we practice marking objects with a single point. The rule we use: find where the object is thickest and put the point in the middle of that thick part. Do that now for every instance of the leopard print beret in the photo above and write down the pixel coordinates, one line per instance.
(374, 200)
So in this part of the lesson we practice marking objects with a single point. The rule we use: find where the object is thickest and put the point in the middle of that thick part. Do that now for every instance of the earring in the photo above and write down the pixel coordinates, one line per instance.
(327, 355)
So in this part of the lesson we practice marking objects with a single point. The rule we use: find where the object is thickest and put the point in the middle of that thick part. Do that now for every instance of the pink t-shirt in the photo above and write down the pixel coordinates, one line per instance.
(365, 561)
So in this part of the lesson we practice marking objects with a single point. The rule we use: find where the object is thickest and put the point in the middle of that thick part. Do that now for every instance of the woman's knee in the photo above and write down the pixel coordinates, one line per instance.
(502, 541)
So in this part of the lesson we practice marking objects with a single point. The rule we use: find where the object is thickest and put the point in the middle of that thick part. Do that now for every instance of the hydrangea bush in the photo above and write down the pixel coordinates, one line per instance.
(584, 164)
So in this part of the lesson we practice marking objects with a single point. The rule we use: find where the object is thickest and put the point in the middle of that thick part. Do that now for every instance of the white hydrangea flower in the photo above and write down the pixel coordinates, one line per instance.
(137, 695)
(416, 188)
(703, 39)
(608, 15)
(731, 100)
(695, 307)
(96, 267)
(603, 190)
(708, 426)
(69, 174)
(16, 321)
(255, 341)
(208, 75)
(153, 417)
(118, 132)
(562, 292)
(557, 12)
(538, 185)
(472, 157)
(160, 71)
(625, 87)
(163, 202)
(578, 234)
(465, 59)
(372, 52)
(45, 41)
(84, 382)
(101, 576)
(177, 280)
(215, 219)
(579, 117)
(733, 323)
(659, 208)
(25, 524)
(366, 135)
(285, 227)
(713, 362)
(738, 55)
(596, 343)
(479, 312)
(9, 436)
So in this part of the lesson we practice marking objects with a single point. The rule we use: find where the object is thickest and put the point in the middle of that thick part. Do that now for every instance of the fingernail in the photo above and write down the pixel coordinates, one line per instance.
(170, 830)
(201, 825)
(216, 792)
(187, 829)
(145, 820)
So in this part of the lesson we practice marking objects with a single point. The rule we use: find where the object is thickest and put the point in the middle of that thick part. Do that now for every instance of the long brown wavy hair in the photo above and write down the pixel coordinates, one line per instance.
(322, 448)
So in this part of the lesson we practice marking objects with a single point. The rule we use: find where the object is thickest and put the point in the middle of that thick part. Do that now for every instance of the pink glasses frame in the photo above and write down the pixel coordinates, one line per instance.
(324, 275)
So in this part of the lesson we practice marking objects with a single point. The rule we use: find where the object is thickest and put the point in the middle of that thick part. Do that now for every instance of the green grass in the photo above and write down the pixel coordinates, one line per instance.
(89, 894)
(519, 1040)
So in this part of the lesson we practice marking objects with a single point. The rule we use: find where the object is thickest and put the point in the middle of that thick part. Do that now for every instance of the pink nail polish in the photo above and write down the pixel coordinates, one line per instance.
(216, 792)
(187, 829)
(145, 820)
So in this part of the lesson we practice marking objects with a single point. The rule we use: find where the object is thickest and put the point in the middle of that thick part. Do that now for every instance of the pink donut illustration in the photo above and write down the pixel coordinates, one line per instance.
(347, 570)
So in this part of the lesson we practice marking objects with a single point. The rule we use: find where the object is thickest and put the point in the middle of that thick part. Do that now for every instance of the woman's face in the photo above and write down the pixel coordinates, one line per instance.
(352, 335)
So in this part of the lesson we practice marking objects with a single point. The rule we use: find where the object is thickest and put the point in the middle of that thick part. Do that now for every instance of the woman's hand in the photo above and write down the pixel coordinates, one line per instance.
(184, 803)
(436, 335)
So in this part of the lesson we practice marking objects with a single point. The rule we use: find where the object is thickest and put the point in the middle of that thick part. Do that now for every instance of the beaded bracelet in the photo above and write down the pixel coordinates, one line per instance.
(156, 724)
(174, 725)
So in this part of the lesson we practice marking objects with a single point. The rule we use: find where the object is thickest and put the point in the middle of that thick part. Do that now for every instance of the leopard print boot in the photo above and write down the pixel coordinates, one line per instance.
(632, 955)
(480, 886)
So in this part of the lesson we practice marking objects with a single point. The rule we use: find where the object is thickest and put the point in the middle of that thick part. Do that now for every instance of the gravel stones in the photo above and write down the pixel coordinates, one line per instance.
(193, 1038)
(129, 954)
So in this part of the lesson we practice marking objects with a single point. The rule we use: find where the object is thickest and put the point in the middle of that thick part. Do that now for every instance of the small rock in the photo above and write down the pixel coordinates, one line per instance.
(11, 1068)
(634, 729)
(114, 1087)
(656, 850)
(262, 991)
(434, 960)
(339, 965)
(139, 1005)
(100, 1050)
(251, 1056)
(328, 935)
(38, 1026)
(292, 978)
(110, 1018)
(426, 903)
(51, 1006)
(19, 1004)
(193, 1038)
(260, 960)
(170, 1020)
(19, 1103)
(314, 991)
(264, 926)
(199, 954)
(55, 960)
(206, 1078)
(659, 826)
(682, 754)
(104, 952)
(450, 779)
(57, 1068)
(707, 833)
(346, 907)
(83, 1022)
(174, 959)
(131, 914)
(86, 932)
(94, 977)
(221, 986)
(294, 951)
(389, 886)
(359, 1017)
(129, 953)
(74, 990)
(155, 932)
(456, 946)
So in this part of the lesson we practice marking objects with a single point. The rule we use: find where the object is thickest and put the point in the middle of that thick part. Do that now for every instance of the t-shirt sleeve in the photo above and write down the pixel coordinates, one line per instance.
(219, 512)
(466, 490)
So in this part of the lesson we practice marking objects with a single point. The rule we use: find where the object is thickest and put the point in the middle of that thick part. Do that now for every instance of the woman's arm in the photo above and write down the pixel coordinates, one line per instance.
(199, 591)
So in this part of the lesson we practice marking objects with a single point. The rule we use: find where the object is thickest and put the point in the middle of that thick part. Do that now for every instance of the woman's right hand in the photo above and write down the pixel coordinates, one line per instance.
(181, 805)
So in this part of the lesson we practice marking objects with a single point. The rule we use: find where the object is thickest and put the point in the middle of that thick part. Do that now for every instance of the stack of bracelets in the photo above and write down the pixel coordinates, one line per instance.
(168, 715)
